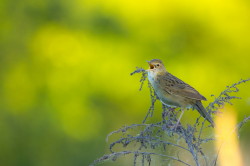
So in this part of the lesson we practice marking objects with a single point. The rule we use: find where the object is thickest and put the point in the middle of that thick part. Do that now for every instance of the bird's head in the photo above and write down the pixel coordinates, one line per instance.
(156, 65)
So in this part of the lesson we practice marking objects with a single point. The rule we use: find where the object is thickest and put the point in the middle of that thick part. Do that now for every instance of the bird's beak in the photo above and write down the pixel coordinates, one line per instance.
(150, 65)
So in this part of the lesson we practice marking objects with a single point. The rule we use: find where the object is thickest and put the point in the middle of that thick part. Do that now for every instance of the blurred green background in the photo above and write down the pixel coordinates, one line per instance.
(64, 69)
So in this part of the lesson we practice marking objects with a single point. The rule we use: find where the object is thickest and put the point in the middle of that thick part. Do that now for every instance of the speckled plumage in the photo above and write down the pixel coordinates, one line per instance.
(173, 91)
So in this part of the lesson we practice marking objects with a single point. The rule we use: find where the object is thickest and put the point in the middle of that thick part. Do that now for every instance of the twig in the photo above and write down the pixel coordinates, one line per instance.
(117, 154)
(151, 136)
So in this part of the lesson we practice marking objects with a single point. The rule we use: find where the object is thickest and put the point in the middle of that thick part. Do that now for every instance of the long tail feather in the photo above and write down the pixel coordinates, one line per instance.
(203, 112)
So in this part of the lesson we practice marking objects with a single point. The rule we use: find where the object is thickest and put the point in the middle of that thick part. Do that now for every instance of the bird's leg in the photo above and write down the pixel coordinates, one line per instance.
(182, 112)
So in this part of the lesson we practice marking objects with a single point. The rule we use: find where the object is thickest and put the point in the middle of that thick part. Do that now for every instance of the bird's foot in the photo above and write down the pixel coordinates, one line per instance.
(176, 126)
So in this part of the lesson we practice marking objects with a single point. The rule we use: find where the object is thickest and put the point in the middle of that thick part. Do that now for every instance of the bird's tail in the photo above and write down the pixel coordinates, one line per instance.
(203, 112)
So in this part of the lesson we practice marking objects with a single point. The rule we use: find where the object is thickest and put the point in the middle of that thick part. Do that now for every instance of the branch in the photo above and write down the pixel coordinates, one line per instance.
(136, 153)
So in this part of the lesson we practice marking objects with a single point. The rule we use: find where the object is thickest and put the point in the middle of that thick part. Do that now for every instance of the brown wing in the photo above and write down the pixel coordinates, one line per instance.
(180, 88)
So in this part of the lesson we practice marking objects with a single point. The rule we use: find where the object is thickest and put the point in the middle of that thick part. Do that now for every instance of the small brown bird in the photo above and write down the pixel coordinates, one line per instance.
(173, 91)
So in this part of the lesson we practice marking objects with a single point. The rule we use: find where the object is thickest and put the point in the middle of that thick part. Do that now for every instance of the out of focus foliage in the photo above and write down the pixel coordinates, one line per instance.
(64, 69)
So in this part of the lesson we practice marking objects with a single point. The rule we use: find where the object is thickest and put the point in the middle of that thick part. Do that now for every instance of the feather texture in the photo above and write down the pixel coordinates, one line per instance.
(173, 91)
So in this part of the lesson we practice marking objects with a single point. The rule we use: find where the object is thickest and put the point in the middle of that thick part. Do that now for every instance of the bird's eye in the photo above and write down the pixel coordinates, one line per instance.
(158, 64)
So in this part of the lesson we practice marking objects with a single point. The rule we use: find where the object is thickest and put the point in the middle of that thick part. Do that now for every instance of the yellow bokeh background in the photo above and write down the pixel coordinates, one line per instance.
(65, 65)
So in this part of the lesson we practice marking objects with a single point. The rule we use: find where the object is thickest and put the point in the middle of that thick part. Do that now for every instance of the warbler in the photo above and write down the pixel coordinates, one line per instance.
(172, 91)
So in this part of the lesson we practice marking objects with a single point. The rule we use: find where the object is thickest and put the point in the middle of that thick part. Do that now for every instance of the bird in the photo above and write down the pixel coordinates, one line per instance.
(172, 91)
